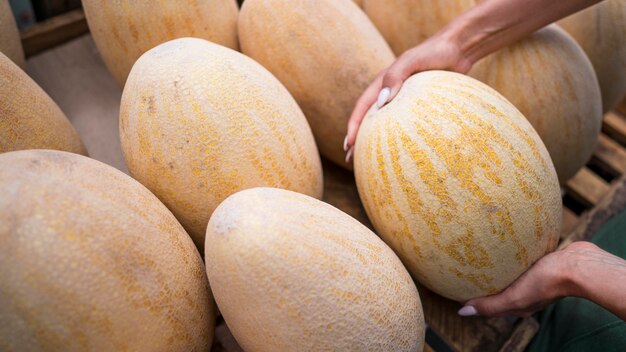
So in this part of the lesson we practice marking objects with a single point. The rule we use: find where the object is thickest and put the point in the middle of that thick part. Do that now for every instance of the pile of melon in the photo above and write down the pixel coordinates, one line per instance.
(222, 209)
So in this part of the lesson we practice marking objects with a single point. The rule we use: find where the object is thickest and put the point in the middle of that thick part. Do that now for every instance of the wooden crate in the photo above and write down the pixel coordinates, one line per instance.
(591, 197)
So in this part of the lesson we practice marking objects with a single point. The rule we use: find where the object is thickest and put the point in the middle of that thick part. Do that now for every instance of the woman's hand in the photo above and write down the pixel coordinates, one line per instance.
(437, 53)
(581, 269)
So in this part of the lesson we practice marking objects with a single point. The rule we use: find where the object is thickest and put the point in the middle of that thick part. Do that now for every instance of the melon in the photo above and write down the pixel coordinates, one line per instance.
(199, 122)
(407, 23)
(291, 273)
(92, 261)
(125, 29)
(10, 42)
(601, 31)
(326, 52)
(548, 77)
(458, 183)
(29, 118)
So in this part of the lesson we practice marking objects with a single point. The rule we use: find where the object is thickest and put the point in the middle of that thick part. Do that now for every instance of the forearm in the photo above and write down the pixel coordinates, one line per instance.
(493, 24)
(601, 278)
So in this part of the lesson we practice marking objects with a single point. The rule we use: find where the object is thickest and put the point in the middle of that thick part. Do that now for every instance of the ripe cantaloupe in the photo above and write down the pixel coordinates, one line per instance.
(92, 261)
(601, 31)
(10, 42)
(548, 77)
(326, 52)
(29, 118)
(458, 183)
(125, 29)
(199, 122)
(406, 23)
(291, 273)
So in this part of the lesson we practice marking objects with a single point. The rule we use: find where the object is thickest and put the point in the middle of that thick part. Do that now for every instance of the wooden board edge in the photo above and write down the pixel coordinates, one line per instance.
(523, 333)
(55, 31)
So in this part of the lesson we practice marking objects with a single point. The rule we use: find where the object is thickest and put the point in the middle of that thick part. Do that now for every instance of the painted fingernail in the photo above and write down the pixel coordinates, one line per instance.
(349, 154)
(345, 144)
(467, 311)
(382, 97)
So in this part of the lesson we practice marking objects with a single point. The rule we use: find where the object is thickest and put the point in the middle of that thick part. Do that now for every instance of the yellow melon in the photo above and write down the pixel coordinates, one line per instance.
(10, 42)
(125, 29)
(601, 31)
(92, 261)
(406, 23)
(550, 80)
(326, 52)
(199, 122)
(291, 273)
(29, 118)
(458, 183)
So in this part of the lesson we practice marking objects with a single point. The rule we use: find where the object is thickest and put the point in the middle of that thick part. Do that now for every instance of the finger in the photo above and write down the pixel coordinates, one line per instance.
(364, 103)
(395, 76)
(495, 305)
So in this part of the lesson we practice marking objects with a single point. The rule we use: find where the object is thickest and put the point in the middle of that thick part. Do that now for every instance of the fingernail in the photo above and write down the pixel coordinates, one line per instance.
(382, 97)
(345, 144)
(349, 154)
(467, 311)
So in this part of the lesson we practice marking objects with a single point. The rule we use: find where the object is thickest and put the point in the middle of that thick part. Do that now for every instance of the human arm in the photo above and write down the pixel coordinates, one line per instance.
(485, 28)
(581, 269)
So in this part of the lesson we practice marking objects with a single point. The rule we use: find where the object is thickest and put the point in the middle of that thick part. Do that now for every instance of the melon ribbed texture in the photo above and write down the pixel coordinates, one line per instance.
(548, 77)
(29, 118)
(291, 273)
(326, 52)
(125, 29)
(92, 261)
(601, 31)
(199, 122)
(458, 183)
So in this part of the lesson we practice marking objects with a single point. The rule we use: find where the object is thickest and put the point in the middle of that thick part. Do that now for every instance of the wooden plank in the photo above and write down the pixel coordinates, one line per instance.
(463, 333)
(53, 32)
(570, 220)
(587, 187)
(615, 126)
(612, 204)
(621, 108)
(611, 154)
(521, 336)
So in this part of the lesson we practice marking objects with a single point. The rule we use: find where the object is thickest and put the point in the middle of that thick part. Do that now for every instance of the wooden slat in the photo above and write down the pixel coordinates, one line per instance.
(53, 32)
(621, 108)
(521, 336)
(463, 333)
(615, 126)
(611, 204)
(570, 220)
(587, 187)
(611, 154)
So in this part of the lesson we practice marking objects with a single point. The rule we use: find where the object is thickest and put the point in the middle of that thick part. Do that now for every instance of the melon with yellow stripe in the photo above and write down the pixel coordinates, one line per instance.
(458, 183)
(406, 23)
(199, 122)
(29, 118)
(291, 273)
(601, 31)
(92, 261)
(326, 52)
(548, 77)
(10, 42)
(125, 29)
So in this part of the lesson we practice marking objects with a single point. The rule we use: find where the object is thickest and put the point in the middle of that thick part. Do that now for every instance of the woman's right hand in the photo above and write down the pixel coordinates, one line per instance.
(440, 52)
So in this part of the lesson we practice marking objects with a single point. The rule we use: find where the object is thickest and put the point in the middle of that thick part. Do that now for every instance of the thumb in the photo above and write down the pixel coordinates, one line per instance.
(495, 305)
(394, 78)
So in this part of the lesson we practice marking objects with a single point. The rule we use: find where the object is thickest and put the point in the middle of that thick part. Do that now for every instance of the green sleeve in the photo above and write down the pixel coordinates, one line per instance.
(576, 324)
